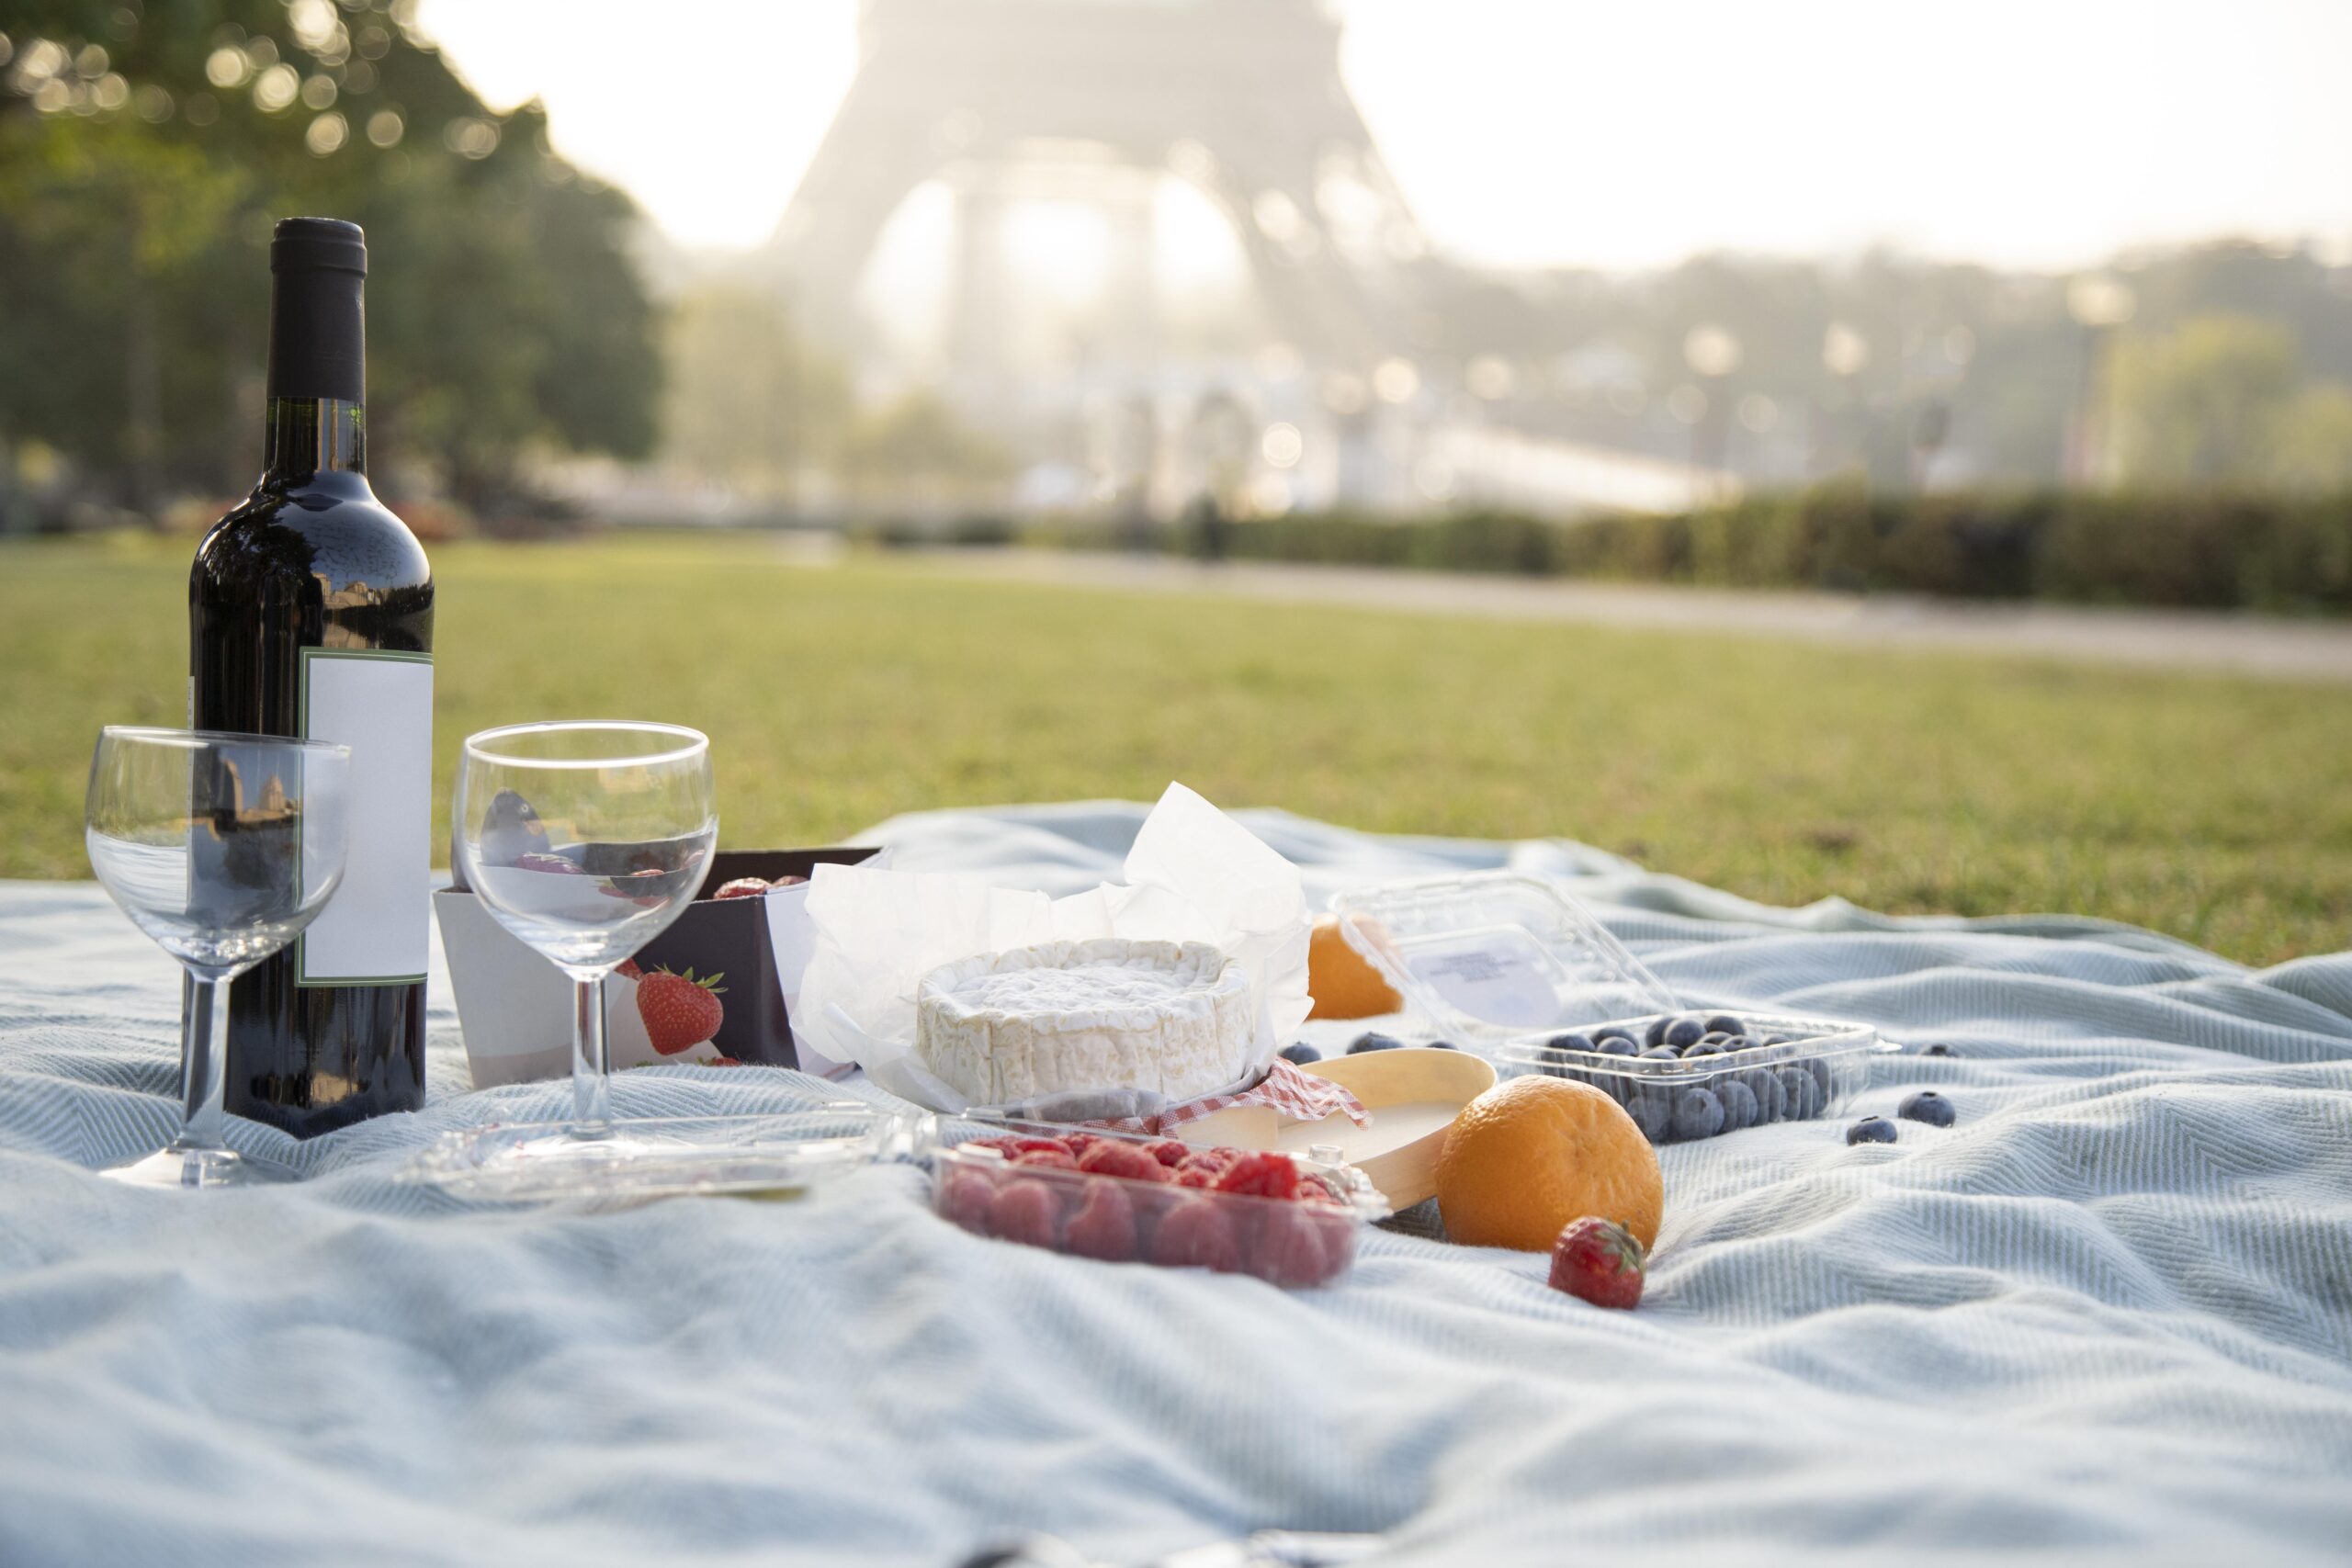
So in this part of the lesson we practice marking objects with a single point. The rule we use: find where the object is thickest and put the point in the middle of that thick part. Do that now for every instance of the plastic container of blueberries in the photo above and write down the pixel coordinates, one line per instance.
(1513, 967)
(1290, 1244)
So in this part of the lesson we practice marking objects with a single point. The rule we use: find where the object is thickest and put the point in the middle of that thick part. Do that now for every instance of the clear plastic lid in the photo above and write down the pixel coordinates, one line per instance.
(1493, 955)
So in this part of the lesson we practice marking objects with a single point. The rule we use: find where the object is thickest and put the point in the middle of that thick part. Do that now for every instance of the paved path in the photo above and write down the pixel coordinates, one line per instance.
(2167, 639)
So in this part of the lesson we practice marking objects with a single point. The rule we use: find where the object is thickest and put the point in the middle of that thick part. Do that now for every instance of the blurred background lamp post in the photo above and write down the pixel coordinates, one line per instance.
(2100, 303)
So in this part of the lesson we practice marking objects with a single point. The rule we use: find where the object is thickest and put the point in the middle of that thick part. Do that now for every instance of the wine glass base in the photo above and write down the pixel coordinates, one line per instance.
(200, 1167)
(780, 1153)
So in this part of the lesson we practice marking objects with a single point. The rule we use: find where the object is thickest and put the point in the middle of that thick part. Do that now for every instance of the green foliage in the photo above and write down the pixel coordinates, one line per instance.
(2210, 549)
(2217, 809)
(136, 199)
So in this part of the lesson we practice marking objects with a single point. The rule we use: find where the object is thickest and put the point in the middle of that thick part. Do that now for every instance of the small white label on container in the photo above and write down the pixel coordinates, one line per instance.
(1496, 976)
(377, 930)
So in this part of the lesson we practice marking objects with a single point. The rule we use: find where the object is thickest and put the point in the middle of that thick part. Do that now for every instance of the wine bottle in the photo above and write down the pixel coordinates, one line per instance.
(311, 615)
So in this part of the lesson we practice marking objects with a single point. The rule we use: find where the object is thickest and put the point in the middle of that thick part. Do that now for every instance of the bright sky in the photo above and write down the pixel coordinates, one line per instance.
(2023, 132)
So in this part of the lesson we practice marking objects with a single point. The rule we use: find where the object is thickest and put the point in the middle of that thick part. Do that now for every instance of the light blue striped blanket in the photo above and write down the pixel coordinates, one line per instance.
(2108, 1316)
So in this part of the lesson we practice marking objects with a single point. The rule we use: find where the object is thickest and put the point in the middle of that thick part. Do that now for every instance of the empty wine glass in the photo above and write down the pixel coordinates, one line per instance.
(586, 840)
(221, 848)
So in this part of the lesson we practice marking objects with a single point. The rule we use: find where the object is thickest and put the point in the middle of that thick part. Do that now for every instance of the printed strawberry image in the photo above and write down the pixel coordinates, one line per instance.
(1600, 1262)
(680, 1011)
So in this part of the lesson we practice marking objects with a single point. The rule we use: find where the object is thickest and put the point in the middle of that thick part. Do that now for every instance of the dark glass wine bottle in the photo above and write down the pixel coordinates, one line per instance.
(310, 613)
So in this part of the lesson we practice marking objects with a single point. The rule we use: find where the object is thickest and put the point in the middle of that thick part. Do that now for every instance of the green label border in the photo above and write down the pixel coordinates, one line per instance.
(302, 980)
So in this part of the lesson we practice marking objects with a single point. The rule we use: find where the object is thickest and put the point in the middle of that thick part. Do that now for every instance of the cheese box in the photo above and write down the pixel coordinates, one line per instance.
(514, 1007)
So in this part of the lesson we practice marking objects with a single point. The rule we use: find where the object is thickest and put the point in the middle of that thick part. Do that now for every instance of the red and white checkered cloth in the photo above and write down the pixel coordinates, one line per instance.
(1302, 1097)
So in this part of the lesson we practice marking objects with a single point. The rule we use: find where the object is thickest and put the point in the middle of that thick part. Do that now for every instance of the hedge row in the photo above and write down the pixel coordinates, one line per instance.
(2265, 553)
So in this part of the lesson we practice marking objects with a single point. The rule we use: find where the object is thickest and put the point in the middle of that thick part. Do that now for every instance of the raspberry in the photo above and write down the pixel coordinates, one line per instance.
(1196, 1176)
(1020, 1145)
(1105, 1225)
(1001, 1145)
(1196, 1233)
(1297, 1247)
(1078, 1143)
(1170, 1152)
(1313, 1188)
(1213, 1161)
(1108, 1158)
(1054, 1158)
(1024, 1211)
(965, 1197)
(1260, 1176)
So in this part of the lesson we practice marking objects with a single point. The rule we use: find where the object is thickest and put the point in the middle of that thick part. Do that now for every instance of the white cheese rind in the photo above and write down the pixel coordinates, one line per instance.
(1000, 1028)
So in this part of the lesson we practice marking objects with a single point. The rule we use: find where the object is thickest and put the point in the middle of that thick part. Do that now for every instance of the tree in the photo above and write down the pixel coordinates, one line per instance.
(2200, 405)
(144, 157)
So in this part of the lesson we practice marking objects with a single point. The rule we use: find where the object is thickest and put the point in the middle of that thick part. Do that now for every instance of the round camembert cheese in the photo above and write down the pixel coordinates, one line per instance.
(1005, 1027)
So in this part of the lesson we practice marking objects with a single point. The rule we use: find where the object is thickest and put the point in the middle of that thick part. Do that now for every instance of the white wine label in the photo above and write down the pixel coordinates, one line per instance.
(376, 929)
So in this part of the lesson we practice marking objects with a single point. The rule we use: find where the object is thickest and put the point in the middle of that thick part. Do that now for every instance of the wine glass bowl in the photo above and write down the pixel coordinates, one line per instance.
(586, 840)
(221, 848)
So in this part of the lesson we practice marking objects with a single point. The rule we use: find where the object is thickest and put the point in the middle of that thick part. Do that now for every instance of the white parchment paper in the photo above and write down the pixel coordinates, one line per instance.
(1194, 874)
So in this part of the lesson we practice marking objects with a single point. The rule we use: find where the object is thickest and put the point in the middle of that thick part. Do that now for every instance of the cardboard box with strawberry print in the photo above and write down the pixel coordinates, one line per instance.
(716, 986)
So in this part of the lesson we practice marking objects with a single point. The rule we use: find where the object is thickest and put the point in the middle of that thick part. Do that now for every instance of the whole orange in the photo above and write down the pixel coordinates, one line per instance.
(1533, 1153)
(1340, 980)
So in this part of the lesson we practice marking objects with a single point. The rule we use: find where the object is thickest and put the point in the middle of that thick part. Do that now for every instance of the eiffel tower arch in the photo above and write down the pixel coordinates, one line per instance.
(1242, 98)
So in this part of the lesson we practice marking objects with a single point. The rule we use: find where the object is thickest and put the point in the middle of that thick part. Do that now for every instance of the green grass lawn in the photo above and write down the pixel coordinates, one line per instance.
(2216, 809)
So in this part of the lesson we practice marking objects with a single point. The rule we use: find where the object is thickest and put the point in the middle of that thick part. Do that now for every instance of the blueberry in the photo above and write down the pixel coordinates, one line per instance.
(1683, 1032)
(1724, 1023)
(1739, 1104)
(1655, 1033)
(1651, 1112)
(1803, 1094)
(1569, 1043)
(1823, 1076)
(1615, 1031)
(1738, 1042)
(1870, 1129)
(1697, 1114)
(1660, 1053)
(1374, 1043)
(1714, 1037)
(1301, 1053)
(1617, 1046)
(1937, 1049)
(1704, 1048)
(1443, 1045)
(1771, 1098)
(1929, 1106)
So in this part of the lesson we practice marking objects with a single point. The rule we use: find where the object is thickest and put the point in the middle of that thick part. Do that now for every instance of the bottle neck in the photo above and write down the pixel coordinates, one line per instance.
(314, 435)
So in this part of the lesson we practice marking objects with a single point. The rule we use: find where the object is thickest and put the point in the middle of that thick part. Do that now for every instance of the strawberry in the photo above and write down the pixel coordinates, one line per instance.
(1597, 1261)
(1105, 1225)
(679, 1010)
(742, 887)
(627, 969)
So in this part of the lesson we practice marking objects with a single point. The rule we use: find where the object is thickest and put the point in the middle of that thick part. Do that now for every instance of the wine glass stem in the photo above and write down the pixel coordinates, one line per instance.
(204, 1063)
(592, 1101)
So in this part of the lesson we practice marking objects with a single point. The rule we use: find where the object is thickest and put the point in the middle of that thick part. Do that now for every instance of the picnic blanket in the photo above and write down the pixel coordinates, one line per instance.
(2109, 1315)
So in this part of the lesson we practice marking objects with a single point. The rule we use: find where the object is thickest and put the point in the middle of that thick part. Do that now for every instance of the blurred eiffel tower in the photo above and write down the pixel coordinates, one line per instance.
(1005, 100)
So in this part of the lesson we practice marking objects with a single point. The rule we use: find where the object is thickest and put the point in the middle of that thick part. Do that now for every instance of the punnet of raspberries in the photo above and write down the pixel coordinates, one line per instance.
(1120, 1200)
